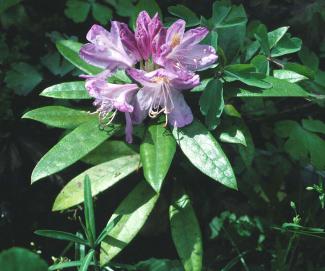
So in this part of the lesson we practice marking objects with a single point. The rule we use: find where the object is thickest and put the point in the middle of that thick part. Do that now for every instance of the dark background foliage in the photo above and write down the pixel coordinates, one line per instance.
(241, 222)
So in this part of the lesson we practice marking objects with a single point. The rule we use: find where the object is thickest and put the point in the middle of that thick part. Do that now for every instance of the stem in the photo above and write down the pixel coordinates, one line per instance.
(96, 266)
(242, 260)
(288, 248)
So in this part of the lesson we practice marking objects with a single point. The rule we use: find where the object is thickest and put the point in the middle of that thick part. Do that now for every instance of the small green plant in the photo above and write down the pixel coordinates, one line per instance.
(92, 240)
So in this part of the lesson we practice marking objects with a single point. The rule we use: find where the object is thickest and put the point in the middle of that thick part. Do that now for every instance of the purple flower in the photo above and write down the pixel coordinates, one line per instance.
(161, 93)
(182, 51)
(145, 32)
(110, 98)
(106, 49)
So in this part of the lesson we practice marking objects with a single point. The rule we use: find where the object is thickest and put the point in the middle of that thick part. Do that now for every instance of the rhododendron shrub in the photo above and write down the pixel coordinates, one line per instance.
(165, 89)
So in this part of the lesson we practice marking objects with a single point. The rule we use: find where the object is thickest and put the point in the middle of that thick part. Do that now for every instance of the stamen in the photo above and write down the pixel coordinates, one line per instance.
(176, 40)
(166, 120)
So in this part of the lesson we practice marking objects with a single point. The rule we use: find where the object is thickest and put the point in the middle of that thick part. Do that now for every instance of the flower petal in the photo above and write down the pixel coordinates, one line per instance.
(194, 36)
(194, 58)
(128, 40)
(175, 33)
(181, 114)
(128, 128)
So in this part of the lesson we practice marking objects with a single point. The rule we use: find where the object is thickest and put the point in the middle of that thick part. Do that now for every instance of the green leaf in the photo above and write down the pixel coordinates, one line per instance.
(316, 126)
(229, 19)
(59, 116)
(289, 76)
(20, 259)
(280, 88)
(184, 13)
(101, 13)
(302, 144)
(109, 150)
(212, 103)
(186, 232)
(276, 35)
(261, 64)
(64, 265)
(61, 235)
(110, 225)
(286, 45)
(309, 58)
(89, 211)
(56, 64)
(22, 78)
(231, 111)
(157, 151)
(233, 135)
(103, 176)
(134, 211)
(205, 153)
(70, 50)
(247, 152)
(71, 148)
(203, 84)
(5, 4)
(70, 90)
(87, 260)
(77, 10)
(235, 72)
(262, 37)
(301, 69)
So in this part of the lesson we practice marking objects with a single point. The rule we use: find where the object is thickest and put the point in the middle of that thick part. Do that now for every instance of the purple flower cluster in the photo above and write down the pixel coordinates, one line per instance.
(166, 61)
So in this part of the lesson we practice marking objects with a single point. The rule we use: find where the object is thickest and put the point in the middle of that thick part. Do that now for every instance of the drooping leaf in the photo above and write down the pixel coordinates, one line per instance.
(109, 150)
(101, 13)
(212, 103)
(69, 90)
(280, 88)
(134, 211)
(22, 78)
(21, 259)
(186, 232)
(77, 10)
(157, 151)
(59, 116)
(89, 211)
(70, 50)
(184, 13)
(205, 153)
(71, 148)
(102, 176)
(61, 235)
